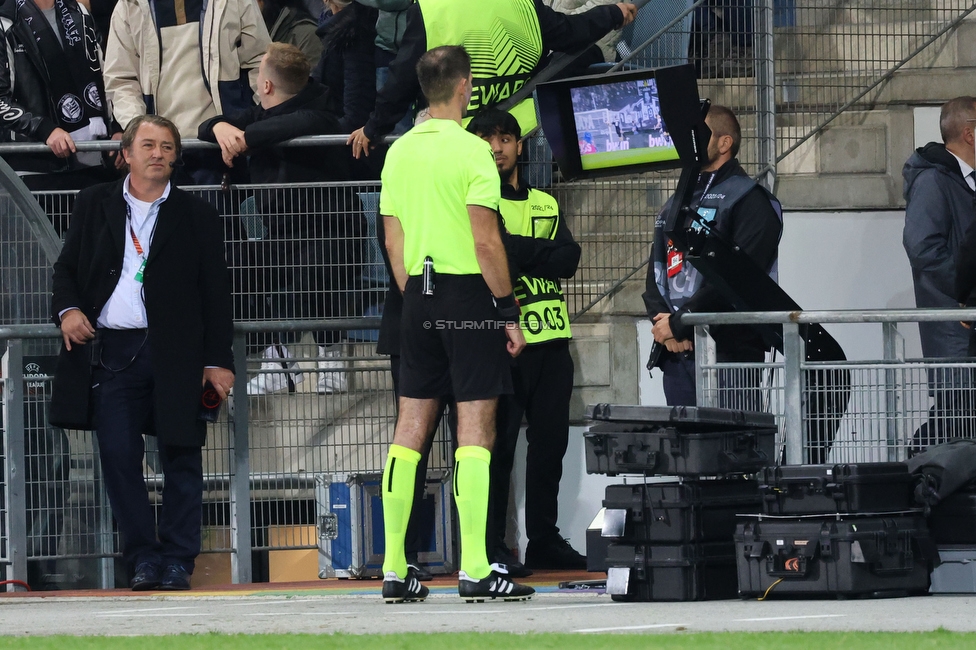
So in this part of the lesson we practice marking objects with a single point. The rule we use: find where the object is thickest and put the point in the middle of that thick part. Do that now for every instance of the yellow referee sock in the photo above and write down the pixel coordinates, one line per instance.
(397, 491)
(471, 495)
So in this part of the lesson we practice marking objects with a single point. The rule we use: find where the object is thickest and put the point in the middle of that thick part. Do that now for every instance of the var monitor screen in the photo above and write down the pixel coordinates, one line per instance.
(618, 123)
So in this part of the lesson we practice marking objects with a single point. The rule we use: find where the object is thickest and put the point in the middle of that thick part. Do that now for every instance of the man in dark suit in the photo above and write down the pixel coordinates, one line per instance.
(142, 296)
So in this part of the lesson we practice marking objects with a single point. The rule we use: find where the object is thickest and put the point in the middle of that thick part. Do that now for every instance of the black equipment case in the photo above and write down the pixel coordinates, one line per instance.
(827, 489)
(834, 557)
(677, 440)
(953, 521)
(647, 572)
(685, 511)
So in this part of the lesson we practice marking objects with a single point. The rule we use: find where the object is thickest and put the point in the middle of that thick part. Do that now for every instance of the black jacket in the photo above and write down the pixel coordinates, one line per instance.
(188, 305)
(939, 210)
(348, 64)
(560, 33)
(27, 109)
(755, 227)
(307, 113)
(302, 214)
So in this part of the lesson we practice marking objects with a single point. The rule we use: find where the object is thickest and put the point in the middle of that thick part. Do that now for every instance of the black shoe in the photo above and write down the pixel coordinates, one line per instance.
(509, 564)
(421, 572)
(555, 554)
(494, 586)
(175, 578)
(408, 589)
(146, 577)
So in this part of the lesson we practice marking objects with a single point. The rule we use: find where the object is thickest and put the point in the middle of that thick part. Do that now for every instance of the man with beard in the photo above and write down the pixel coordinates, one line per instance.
(541, 252)
(751, 217)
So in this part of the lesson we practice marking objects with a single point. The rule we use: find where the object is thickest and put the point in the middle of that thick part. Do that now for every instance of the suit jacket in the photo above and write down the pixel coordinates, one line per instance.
(188, 305)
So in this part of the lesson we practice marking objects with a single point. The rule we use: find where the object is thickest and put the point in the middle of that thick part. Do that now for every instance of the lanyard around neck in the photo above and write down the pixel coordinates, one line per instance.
(132, 232)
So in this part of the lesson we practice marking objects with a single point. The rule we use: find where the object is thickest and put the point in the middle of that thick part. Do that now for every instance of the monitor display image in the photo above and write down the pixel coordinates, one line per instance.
(619, 124)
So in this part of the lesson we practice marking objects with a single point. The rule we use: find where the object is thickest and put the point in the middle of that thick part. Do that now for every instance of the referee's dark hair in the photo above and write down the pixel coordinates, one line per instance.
(439, 71)
(492, 121)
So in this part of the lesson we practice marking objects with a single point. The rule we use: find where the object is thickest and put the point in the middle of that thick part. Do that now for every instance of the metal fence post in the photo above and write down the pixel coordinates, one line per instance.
(704, 364)
(793, 393)
(765, 92)
(106, 537)
(893, 386)
(240, 477)
(15, 466)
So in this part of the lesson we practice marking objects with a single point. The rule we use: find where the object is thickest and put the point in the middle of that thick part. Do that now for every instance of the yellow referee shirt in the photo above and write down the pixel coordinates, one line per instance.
(431, 175)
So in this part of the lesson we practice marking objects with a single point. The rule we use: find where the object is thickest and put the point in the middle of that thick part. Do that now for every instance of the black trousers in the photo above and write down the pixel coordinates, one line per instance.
(543, 383)
(123, 402)
(738, 388)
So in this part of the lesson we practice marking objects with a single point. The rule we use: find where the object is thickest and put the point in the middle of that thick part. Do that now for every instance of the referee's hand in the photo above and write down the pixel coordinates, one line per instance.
(516, 342)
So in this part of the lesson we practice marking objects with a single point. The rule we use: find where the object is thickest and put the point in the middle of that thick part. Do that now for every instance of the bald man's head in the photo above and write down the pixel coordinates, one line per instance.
(723, 146)
(722, 121)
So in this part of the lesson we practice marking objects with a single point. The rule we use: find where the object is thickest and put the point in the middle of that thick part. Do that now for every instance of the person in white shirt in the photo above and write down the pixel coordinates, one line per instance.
(141, 292)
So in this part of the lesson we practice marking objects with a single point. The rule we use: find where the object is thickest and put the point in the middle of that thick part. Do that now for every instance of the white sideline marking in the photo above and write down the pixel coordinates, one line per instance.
(300, 613)
(786, 618)
(474, 610)
(113, 612)
(628, 627)
(187, 614)
(273, 602)
(560, 607)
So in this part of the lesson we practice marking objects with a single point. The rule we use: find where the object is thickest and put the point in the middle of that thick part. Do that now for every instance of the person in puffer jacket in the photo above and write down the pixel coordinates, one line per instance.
(939, 197)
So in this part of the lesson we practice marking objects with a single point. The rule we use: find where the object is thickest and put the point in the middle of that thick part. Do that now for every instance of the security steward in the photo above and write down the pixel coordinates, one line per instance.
(506, 39)
(142, 295)
(749, 215)
(460, 320)
(541, 252)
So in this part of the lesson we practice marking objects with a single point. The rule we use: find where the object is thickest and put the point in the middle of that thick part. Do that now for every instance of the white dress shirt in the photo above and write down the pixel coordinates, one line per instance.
(126, 308)
(967, 171)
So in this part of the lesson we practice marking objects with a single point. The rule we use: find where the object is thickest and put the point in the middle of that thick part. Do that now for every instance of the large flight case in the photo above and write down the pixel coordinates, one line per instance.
(677, 440)
(676, 572)
(837, 556)
(841, 488)
(956, 573)
(683, 511)
(349, 510)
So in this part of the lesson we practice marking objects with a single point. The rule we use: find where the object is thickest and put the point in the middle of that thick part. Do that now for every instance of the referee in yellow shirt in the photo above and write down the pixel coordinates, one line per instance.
(460, 320)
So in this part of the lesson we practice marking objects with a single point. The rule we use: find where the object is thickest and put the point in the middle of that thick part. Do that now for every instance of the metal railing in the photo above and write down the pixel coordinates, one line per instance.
(844, 411)
(260, 460)
(608, 218)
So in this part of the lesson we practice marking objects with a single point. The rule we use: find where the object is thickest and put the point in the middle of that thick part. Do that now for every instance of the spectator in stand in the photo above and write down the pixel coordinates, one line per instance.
(390, 25)
(50, 93)
(608, 44)
(101, 11)
(507, 39)
(348, 64)
(288, 21)
(313, 250)
(189, 61)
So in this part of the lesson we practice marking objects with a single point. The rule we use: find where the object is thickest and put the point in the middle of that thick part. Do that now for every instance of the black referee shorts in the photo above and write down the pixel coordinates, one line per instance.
(452, 343)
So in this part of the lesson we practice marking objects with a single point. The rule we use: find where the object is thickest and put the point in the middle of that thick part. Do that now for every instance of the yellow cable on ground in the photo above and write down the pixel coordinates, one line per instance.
(771, 588)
